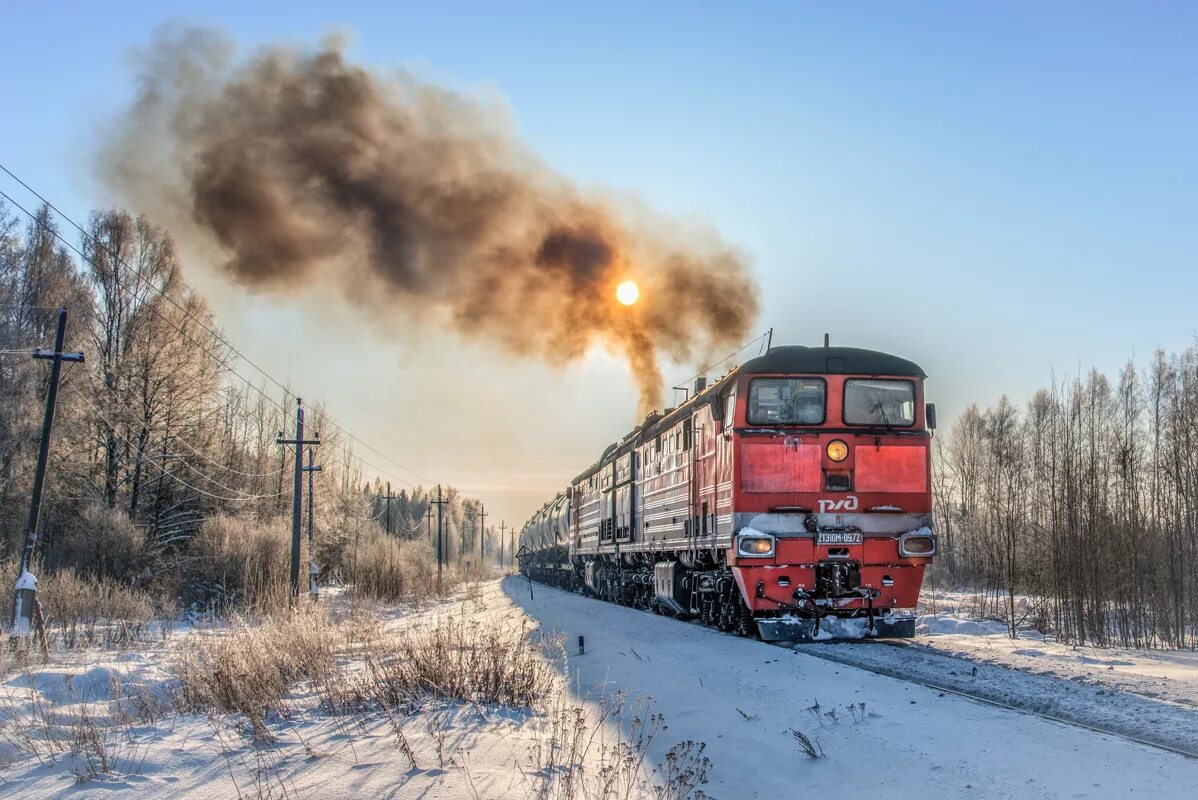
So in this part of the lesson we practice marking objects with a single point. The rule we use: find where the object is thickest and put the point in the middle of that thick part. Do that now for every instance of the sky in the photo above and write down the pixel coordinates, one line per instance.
(1002, 192)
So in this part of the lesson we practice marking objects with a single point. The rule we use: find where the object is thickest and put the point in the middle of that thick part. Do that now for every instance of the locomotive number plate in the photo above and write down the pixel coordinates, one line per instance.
(838, 537)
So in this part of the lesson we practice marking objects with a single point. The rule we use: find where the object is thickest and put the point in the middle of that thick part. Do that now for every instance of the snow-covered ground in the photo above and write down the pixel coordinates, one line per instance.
(1076, 700)
(743, 699)
(108, 725)
(1170, 675)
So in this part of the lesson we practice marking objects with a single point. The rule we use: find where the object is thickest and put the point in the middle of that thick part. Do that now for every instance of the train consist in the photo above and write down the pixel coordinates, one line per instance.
(795, 489)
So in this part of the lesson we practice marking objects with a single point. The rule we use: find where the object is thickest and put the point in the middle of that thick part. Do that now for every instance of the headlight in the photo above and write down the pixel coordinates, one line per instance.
(755, 545)
(917, 545)
(837, 450)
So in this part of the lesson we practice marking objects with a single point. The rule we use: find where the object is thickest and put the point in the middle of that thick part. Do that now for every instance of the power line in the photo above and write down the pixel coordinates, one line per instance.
(241, 495)
(179, 440)
(188, 315)
(216, 463)
(365, 519)
(22, 305)
(175, 303)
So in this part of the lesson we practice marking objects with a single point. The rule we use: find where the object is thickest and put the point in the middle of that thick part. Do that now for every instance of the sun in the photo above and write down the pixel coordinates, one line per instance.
(628, 293)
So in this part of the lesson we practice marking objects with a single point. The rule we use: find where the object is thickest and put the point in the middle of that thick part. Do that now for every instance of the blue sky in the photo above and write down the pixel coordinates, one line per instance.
(997, 190)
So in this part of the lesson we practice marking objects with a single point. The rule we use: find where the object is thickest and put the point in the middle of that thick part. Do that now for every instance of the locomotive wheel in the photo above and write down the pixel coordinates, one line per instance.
(744, 621)
(727, 620)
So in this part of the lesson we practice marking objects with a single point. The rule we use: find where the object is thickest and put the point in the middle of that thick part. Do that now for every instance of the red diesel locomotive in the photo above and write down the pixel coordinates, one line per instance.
(794, 489)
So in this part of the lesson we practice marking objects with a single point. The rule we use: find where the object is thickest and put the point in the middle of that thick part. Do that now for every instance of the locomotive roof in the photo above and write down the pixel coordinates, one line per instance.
(782, 359)
(832, 361)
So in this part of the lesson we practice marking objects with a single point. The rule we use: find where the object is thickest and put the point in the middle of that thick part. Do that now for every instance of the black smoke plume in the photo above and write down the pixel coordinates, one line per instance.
(419, 200)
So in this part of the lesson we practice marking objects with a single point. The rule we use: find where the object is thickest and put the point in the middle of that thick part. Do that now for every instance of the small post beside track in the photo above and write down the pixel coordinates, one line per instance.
(524, 556)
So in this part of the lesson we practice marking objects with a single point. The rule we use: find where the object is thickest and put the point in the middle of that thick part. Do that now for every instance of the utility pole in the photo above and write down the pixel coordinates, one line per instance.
(502, 528)
(428, 520)
(313, 570)
(390, 497)
(25, 594)
(297, 499)
(440, 536)
(482, 535)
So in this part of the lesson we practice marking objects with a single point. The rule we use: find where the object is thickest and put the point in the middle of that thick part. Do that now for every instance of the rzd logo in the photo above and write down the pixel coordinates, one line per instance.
(847, 504)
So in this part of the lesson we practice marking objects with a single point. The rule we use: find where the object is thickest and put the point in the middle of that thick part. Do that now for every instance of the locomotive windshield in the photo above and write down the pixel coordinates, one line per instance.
(786, 401)
(879, 402)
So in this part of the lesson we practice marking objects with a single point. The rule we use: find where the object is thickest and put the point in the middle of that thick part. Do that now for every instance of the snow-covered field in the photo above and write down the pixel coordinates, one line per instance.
(95, 725)
(744, 700)
(1170, 675)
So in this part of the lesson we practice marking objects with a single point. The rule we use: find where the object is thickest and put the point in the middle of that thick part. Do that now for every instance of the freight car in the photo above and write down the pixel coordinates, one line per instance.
(795, 489)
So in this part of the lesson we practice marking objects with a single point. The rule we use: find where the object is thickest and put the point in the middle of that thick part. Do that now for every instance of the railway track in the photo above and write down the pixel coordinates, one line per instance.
(829, 652)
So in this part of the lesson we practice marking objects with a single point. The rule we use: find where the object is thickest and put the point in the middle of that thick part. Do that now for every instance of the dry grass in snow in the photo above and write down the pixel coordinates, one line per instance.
(463, 700)
(82, 613)
(249, 669)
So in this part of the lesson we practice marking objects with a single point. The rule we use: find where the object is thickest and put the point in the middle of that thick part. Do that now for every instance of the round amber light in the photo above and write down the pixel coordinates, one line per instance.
(838, 450)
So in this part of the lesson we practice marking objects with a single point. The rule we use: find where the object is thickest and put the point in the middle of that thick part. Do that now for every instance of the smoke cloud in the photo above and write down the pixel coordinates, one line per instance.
(419, 201)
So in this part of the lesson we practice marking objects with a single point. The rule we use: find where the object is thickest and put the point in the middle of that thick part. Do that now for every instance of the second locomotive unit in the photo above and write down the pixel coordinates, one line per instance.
(794, 489)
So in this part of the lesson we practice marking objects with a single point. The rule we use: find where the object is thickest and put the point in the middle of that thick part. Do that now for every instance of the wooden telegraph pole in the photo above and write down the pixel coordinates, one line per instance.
(482, 535)
(313, 570)
(297, 500)
(390, 497)
(25, 596)
(440, 536)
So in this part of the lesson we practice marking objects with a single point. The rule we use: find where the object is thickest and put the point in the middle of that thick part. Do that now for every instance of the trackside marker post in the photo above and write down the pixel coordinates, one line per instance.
(524, 556)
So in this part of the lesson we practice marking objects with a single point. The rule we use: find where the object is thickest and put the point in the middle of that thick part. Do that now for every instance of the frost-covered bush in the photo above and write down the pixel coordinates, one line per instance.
(93, 540)
(238, 561)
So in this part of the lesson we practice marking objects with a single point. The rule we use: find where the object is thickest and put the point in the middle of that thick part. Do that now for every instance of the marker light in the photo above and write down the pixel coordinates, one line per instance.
(755, 546)
(837, 450)
(917, 545)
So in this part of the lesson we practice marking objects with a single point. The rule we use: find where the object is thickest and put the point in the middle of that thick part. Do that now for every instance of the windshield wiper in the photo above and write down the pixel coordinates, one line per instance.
(881, 409)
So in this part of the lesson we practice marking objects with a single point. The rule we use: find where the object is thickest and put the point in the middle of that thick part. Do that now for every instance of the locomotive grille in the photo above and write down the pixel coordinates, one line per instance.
(838, 483)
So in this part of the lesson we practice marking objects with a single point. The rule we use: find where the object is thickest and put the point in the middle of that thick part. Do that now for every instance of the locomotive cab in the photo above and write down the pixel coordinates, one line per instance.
(833, 501)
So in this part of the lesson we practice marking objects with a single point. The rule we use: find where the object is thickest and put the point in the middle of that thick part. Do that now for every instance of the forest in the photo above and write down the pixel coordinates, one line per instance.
(165, 474)
(1082, 503)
